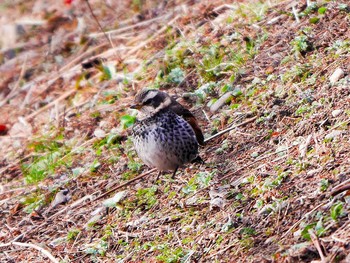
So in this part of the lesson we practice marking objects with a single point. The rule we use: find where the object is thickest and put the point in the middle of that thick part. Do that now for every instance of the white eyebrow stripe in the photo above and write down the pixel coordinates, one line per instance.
(150, 95)
(163, 105)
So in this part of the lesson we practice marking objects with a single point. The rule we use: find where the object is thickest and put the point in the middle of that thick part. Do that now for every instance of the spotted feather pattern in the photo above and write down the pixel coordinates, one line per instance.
(165, 141)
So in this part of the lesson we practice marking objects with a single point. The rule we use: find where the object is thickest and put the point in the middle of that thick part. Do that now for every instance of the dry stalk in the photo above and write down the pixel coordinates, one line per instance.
(295, 13)
(301, 219)
(98, 23)
(15, 88)
(230, 128)
(52, 103)
(316, 243)
(222, 250)
(340, 188)
(118, 187)
(40, 249)
(127, 28)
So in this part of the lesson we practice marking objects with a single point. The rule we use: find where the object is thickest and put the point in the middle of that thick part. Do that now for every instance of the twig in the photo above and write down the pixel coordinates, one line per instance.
(128, 28)
(316, 243)
(117, 187)
(74, 205)
(40, 249)
(303, 147)
(301, 219)
(230, 128)
(98, 23)
(11, 94)
(340, 189)
(222, 250)
(295, 13)
(62, 97)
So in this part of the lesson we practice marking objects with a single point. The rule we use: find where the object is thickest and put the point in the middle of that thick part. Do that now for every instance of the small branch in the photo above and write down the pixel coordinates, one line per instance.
(98, 23)
(340, 189)
(51, 104)
(117, 187)
(129, 28)
(40, 249)
(230, 128)
(74, 205)
(316, 243)
(295, 13)
(301, 219)
(222, 250)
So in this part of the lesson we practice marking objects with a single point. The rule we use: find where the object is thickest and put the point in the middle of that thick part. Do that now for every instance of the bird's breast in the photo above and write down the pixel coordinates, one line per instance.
(165, 141)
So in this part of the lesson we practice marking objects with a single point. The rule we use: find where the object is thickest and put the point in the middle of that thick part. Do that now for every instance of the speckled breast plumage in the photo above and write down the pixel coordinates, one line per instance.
(165, 141)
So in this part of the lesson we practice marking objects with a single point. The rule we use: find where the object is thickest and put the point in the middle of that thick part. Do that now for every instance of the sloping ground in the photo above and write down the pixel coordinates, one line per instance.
(274, 187)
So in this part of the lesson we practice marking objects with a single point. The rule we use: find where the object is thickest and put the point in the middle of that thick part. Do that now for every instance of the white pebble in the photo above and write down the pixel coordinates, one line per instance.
(333, 134)
(99, 133)
(336, 113)
(337, 75)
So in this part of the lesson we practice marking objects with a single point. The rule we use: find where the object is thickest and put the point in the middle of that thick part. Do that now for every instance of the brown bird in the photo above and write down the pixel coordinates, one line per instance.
(167, 135)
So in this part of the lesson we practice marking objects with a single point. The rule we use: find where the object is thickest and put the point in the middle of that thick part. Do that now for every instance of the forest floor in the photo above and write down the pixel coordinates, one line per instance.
(273, 76)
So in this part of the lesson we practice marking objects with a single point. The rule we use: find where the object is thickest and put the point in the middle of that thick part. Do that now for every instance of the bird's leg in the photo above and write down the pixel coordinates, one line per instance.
(174, 173)
(160, 172)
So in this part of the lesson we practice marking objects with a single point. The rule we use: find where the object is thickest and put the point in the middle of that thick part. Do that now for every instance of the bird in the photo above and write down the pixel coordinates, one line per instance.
(166, 135)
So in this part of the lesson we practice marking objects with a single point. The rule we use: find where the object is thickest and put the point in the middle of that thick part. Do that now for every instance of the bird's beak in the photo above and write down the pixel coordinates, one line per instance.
(136, 106)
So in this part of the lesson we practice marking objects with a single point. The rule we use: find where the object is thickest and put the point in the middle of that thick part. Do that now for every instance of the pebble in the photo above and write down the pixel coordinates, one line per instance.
(333, 134)
(61, 197)
(99, 133)
(337, 75)
(336, 113)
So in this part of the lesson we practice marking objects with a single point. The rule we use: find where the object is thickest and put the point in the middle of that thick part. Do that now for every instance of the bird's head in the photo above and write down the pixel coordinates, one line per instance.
(151, 101)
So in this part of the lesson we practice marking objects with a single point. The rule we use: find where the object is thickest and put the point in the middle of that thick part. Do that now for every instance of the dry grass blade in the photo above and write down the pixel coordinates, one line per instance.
(316, 243)
(118, 187)
(51, 104)
(234, 126)
(40, 249)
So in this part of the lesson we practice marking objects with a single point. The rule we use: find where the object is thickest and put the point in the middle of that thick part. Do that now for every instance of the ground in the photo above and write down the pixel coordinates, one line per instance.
(269, 84)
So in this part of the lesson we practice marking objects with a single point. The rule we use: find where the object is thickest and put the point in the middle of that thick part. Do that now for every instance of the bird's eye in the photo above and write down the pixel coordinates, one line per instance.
(147, 102)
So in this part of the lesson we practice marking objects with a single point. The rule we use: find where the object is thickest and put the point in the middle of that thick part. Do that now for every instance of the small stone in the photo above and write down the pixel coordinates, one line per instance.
(336, 113)
(61, 197)
(337, 75)
(254, 154)
(113, 201)
(99, 133)
(217, 202)
(333, 134)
